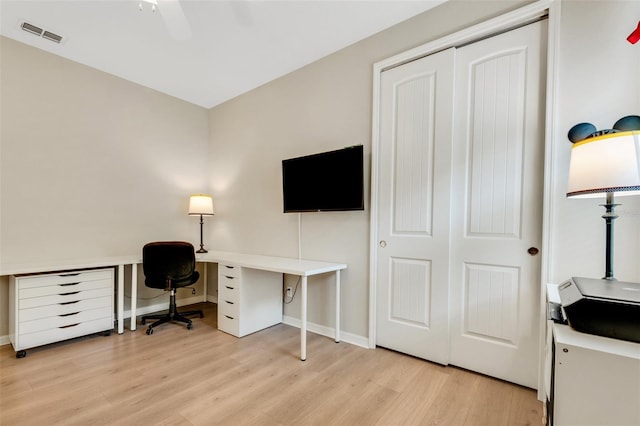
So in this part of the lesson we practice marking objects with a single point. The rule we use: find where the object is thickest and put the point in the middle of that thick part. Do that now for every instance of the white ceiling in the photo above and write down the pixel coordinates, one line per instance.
(225, 49)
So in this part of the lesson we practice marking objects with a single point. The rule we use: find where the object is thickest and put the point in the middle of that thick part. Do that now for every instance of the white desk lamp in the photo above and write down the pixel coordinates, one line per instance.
(201, 205)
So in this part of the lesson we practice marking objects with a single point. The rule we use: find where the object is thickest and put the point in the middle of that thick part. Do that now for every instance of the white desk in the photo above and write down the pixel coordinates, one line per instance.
(302, 268)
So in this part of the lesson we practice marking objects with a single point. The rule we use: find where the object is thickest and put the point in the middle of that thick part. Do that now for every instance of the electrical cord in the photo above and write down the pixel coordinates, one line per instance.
(284, 294)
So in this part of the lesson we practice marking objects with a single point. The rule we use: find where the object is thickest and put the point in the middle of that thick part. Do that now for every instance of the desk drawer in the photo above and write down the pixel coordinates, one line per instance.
(64, 278)
(51, 335)
(63, 289)
(229, 324)
(64, 308)
(64, 320)
(227, 292)
(226, 281)
(228, 307)
(229, 270)
(58, 299)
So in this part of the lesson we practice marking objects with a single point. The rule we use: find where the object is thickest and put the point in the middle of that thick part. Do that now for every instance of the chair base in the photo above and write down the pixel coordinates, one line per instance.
(172, 316)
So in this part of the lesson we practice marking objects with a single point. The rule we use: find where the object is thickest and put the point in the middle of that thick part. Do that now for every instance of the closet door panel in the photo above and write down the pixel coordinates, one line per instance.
(414, 181)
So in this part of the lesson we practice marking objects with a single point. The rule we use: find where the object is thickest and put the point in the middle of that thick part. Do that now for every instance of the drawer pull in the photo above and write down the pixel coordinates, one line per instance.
(70, 275)
(68, 303)
(229, 267)
(229, 317)
(69, 284)
(70, 293)
(231, 278)
(68, 315)
(230, 288)
(231, 303)
(70, 325)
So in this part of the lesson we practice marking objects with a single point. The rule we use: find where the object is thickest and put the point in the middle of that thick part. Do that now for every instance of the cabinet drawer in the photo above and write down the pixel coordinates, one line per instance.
(52, 310)
(44, 337)
(62, 321)
(229, 307)
(64, 278)
(229, 270)
(228, 324)
(69, 297)
(63, 289)
(227, 292)
(226, 281)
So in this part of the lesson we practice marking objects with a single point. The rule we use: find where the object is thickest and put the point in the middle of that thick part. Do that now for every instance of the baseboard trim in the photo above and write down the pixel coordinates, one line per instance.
(322, 330)
(159, 307)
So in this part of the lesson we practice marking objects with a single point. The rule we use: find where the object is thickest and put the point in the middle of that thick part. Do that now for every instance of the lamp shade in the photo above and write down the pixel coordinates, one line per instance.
(607, 163)
(201, 204)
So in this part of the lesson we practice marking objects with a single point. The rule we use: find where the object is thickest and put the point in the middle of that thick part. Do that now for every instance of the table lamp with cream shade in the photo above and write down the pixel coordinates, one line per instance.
(605, 162)
(201, 205)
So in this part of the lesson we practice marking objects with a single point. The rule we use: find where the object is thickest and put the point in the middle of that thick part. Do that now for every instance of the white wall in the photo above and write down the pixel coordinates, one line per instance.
(323, 106)
(91, 165)
(599, 83)
(327, 105)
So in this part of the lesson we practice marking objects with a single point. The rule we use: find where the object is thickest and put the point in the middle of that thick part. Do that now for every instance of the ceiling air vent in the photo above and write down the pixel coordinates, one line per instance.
(31, 29)
(35, 30)
(52, 37)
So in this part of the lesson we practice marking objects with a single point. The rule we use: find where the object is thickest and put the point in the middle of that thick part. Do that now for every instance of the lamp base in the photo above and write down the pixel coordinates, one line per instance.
(201, 250)
(609, 216)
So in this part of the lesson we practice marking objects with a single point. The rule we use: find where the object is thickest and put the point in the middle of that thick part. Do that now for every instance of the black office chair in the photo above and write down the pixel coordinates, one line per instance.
(169, 265)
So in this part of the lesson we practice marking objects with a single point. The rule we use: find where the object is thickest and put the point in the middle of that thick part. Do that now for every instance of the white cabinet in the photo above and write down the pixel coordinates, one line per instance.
(49, 308)
(595, 380)
(248, 299)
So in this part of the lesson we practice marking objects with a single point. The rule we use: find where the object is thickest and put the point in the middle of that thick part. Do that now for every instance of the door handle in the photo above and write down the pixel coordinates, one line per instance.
(533, 251)
(383, 243)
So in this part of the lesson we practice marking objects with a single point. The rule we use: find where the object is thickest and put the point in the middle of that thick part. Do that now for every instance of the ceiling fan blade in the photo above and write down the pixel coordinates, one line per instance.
(174, 18)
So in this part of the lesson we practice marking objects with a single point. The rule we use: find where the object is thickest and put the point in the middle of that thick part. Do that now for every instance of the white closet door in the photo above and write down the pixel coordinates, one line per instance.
(497, 204)
(413, 228)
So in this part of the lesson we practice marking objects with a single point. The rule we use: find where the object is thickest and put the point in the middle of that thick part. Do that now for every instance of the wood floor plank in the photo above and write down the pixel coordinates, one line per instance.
(179, 377)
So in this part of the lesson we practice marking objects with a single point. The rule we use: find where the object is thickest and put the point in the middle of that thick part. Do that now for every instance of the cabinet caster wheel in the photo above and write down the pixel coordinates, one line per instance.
(21, 354)
(143, 322)
(201, 315)
(149, 331)
(189, 326)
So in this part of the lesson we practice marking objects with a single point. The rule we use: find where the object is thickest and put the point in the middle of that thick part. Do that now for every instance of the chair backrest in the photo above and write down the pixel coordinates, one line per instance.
(167, 260)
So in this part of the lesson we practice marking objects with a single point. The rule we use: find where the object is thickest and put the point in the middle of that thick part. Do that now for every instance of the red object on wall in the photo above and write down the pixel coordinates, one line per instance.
(635, 35)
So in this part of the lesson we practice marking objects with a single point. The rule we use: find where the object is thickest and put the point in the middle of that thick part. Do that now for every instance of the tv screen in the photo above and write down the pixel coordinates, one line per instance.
(330, 181)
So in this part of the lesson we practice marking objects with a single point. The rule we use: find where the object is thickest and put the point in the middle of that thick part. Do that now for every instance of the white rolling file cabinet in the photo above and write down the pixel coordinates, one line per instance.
(52, 307)
(249, 299)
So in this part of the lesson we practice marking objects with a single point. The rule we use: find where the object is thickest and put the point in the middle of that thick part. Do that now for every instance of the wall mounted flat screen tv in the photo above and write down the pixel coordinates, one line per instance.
(329, 181)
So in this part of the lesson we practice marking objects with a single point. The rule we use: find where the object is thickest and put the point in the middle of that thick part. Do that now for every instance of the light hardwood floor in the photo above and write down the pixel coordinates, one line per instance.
(204, 377)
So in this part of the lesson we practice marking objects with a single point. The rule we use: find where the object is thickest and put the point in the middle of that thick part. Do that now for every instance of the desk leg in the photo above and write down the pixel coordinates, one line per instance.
(337, 306)
(134, 295)
(206, 280)
(303, 319)
(120, 304)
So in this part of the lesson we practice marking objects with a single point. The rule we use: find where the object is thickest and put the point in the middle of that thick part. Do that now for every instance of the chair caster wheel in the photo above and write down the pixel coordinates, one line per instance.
(149, 331)
(21, 354)
(189, 326)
